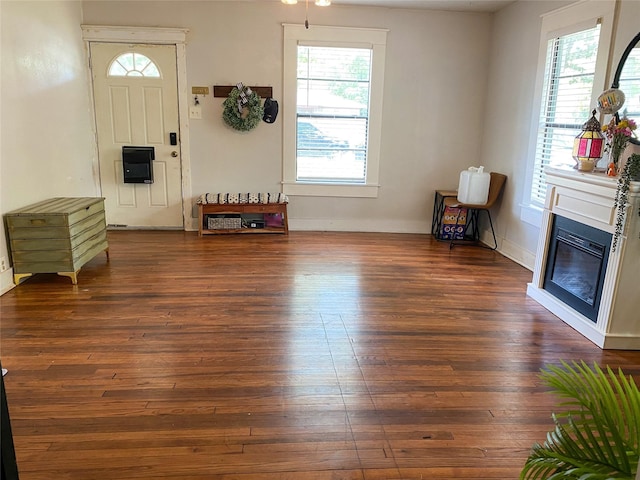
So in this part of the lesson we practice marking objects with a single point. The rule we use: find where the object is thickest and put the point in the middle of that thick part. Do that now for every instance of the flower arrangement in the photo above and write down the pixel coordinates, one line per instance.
(618, 135)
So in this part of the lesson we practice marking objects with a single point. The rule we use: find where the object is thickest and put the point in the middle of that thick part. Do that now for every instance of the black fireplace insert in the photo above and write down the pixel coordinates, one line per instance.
(576, 265)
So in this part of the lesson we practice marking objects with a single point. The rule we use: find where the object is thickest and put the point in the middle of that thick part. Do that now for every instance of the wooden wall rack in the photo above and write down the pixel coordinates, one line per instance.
(220, 91)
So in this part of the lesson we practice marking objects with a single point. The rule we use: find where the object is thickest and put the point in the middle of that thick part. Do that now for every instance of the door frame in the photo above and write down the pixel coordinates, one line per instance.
(157, 36)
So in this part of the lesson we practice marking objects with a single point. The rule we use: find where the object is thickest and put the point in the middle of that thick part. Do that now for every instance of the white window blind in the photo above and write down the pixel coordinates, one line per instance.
(566, 102)
(332, 115)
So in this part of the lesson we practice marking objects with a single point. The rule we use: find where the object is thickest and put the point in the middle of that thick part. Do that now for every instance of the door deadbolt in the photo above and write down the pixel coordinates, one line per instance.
(174, 154)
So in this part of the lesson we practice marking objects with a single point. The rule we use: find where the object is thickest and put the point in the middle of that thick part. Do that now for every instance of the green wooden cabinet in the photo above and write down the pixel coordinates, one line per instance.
(58, 235)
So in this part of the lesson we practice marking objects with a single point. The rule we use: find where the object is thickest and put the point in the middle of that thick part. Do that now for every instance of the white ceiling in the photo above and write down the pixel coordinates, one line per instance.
(454, 5)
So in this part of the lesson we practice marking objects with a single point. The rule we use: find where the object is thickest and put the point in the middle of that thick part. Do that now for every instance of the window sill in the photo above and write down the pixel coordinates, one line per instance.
(330, 190)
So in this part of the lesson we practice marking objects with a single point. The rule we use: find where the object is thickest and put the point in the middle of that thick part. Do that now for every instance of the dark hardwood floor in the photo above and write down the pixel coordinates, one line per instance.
(317, 356)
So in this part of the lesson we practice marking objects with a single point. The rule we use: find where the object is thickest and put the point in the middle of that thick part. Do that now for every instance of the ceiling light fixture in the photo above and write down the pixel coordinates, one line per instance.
(319, 3)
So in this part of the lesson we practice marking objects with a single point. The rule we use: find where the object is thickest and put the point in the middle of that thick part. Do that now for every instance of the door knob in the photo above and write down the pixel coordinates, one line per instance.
(174, 154)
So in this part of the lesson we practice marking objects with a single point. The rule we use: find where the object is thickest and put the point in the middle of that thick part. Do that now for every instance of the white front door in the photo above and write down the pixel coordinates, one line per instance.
(136, 104)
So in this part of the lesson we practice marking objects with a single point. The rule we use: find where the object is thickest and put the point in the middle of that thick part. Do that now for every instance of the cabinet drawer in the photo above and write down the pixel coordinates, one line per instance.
(263, 209)
(220, 209)
(244, 208)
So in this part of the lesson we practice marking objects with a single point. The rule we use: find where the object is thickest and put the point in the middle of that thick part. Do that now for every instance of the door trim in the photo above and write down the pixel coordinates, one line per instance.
(163, 36)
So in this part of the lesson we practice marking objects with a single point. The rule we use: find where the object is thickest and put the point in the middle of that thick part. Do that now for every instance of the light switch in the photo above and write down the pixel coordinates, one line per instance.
(195, 111)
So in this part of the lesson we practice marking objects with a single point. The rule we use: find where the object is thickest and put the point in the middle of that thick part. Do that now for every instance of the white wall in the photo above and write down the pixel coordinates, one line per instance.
(436, 74)
(46, 142)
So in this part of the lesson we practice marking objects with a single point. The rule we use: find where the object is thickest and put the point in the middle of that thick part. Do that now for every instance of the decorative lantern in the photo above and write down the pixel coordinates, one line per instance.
(588, 146)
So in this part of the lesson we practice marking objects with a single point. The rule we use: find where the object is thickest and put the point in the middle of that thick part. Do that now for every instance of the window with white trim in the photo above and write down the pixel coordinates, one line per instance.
(334, 76)
(572, 69)
(567, 91)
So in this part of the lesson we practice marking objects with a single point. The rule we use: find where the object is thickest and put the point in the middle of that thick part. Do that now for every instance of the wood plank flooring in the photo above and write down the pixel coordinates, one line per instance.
(317, 356)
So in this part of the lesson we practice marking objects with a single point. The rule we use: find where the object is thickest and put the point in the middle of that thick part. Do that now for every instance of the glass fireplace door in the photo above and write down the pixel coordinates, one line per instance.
(576, 264)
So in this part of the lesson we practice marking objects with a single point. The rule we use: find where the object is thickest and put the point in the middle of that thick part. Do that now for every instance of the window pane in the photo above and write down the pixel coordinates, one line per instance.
(332, 114)
(330, 63)
(117, 70)
(331, 150)
(151, 70)
(333, 98)
(133, 65)
(140, 61)
(126, 60)
(568, 84)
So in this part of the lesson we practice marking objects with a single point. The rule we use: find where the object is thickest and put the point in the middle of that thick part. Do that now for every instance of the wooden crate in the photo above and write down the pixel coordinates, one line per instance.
(58, 235)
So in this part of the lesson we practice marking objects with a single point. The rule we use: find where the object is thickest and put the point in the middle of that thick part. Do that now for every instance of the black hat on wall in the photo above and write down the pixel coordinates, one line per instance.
(270, 110)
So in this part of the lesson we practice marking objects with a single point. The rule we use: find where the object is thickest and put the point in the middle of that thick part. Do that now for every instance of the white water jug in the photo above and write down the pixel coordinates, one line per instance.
(474, 186)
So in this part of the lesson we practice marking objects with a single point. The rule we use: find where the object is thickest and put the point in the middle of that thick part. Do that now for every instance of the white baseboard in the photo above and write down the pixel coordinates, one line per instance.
(510, 250)
(518, 254)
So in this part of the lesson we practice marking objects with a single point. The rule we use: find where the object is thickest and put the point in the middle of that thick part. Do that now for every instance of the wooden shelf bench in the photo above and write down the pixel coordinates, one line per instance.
(219, 205)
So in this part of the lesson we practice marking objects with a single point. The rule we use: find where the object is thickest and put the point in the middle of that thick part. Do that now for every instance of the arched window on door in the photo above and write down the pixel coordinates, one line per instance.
(133, 64)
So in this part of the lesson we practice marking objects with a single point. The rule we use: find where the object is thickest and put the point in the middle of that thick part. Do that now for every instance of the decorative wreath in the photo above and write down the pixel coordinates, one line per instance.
(242, 109)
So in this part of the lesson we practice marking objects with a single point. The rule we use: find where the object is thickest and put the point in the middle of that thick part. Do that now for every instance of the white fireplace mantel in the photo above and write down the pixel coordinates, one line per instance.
(588, 199)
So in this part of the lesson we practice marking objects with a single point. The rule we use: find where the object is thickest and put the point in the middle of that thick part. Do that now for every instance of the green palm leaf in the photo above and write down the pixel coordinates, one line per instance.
(597, 436)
